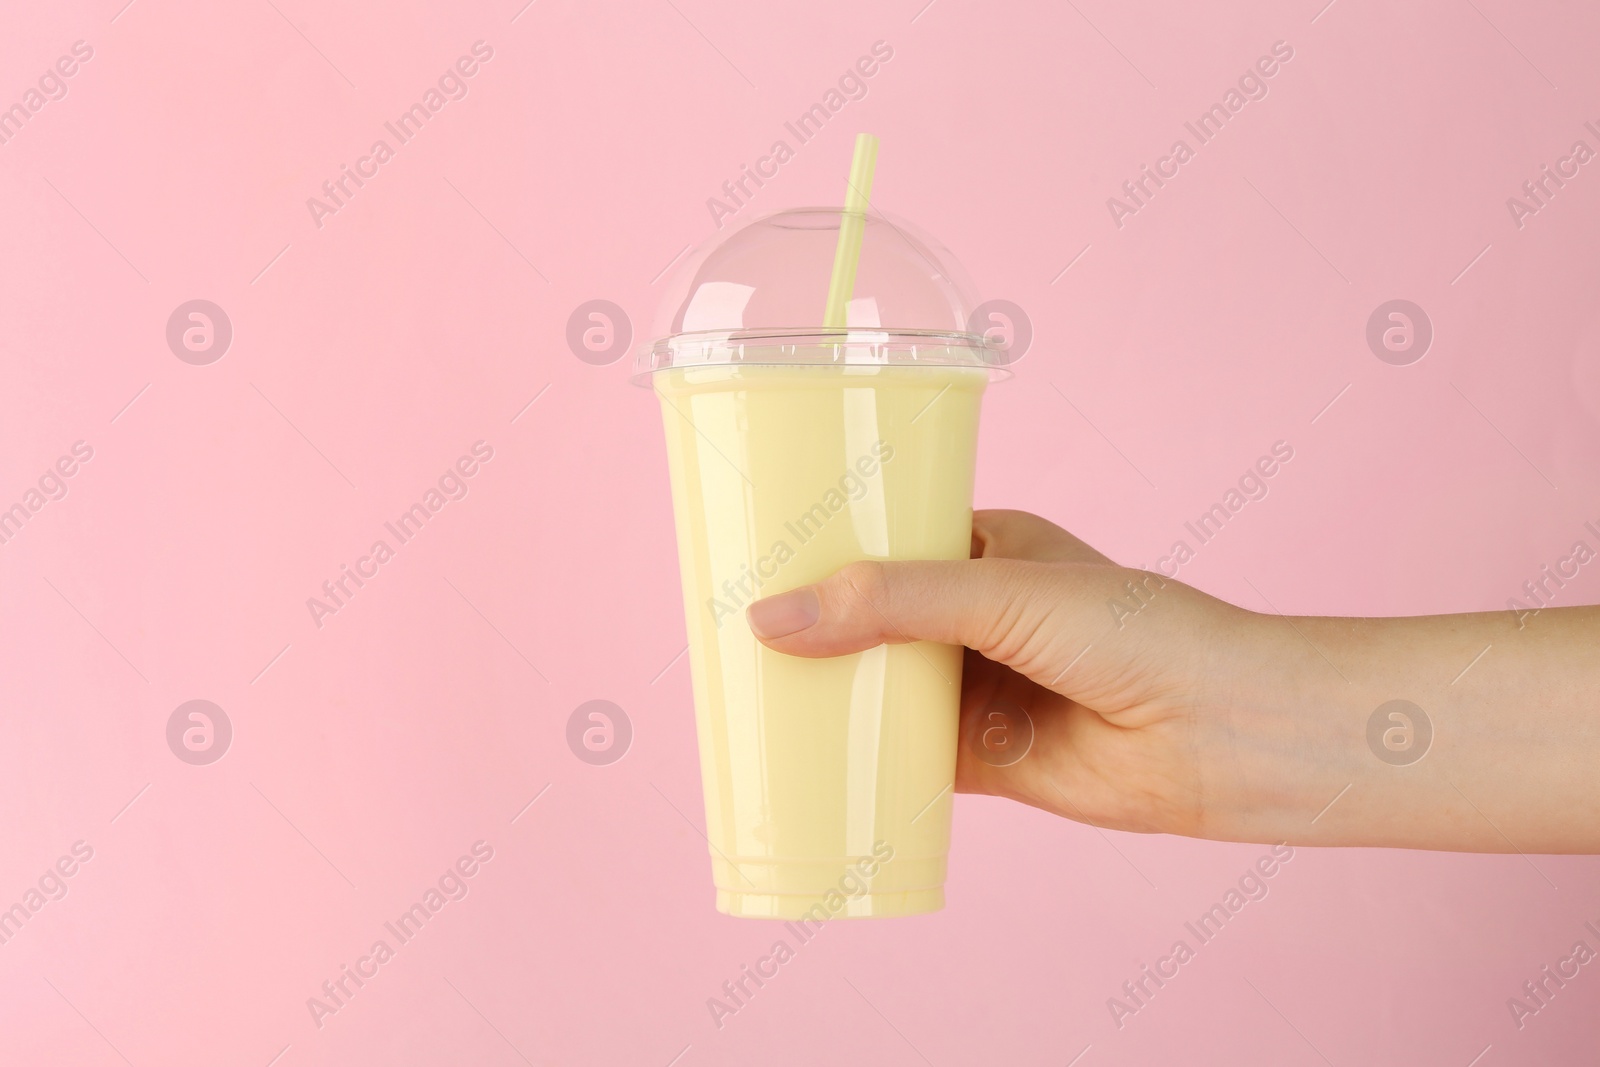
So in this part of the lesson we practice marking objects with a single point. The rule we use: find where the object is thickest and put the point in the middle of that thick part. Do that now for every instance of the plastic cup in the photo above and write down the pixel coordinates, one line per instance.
(794, 451)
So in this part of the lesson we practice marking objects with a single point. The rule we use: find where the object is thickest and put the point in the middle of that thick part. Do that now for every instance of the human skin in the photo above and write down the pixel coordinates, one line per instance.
(1192, 716)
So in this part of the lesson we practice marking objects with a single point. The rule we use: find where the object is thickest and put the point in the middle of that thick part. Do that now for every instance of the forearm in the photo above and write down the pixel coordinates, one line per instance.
(1512, 763)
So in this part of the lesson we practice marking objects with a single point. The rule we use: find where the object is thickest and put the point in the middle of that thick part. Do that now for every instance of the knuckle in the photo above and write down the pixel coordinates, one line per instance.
(865, 581)
(1009, 629)
(1028, 628)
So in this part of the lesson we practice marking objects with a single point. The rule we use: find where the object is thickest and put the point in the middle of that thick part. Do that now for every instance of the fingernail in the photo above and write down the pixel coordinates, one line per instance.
(784, 614)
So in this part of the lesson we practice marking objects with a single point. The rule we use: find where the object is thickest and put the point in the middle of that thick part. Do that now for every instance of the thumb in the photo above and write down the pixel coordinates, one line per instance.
(1000, 607)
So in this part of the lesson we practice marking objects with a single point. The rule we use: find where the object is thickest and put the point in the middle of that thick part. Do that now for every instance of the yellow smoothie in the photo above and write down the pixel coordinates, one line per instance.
(827, 782)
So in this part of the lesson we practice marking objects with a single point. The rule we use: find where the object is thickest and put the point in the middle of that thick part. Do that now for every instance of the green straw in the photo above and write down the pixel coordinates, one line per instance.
(852, 226)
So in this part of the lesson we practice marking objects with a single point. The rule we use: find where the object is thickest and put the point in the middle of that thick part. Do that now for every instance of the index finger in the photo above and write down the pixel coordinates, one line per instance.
(1011, 534)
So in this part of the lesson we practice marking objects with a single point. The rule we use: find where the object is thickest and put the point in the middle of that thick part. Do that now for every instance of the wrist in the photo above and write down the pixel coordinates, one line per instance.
(1284, 727)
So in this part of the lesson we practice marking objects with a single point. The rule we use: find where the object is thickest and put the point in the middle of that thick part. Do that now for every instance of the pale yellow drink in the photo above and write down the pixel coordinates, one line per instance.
(827, 781)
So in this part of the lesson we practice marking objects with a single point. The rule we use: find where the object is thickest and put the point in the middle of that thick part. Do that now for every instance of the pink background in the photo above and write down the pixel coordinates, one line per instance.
(369, 353)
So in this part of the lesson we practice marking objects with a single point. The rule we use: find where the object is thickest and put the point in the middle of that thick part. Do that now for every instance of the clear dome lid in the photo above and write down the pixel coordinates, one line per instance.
(757, 295)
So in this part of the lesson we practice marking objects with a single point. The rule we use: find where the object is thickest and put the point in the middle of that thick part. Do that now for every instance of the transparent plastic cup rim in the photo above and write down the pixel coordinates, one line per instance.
(820, 347)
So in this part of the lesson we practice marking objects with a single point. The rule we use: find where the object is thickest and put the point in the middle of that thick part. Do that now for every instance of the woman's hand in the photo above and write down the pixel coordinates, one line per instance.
(1157, 708)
